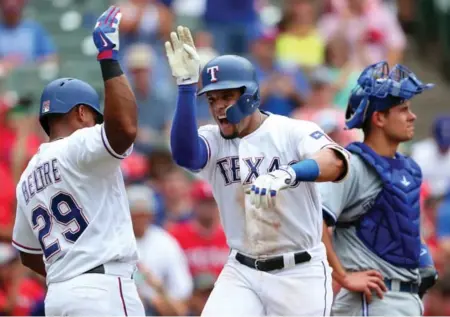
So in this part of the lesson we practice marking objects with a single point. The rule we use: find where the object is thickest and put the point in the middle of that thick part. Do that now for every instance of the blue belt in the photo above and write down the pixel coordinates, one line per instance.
(406, 287)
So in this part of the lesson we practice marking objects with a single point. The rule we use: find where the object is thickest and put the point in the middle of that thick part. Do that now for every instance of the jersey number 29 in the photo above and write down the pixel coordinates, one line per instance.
(64, 210)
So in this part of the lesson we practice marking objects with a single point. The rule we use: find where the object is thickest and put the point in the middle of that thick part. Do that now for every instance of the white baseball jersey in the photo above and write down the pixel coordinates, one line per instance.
(72, 206)
(296, 222)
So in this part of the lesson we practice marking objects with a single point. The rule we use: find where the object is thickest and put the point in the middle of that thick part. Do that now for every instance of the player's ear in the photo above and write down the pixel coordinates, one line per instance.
(82, 113)
(378, 119)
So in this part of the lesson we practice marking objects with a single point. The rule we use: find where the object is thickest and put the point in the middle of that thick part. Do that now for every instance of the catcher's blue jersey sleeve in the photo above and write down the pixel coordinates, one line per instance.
(188, 149)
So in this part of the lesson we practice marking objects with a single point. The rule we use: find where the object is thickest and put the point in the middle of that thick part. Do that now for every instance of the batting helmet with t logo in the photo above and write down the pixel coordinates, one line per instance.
(233, 72)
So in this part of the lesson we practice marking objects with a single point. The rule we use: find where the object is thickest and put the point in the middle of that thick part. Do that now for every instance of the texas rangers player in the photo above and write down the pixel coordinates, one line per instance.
(73, 222)
(277, 263)
(376, 209)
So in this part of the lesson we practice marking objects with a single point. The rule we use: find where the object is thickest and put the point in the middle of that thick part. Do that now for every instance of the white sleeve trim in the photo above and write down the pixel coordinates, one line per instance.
(26, 249)
(345, 154)
(330, 213)
(110, 149)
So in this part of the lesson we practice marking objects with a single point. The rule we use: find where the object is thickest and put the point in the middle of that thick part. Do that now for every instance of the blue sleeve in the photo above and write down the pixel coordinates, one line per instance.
(45, 45)
(188, 149)
(425, 259)
(443, 219)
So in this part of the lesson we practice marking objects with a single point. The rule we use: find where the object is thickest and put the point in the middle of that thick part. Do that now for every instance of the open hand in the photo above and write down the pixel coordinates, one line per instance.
(365, 282)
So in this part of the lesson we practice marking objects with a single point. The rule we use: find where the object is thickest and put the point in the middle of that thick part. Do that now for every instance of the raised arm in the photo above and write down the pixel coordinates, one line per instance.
(189, 150)
(120, 114)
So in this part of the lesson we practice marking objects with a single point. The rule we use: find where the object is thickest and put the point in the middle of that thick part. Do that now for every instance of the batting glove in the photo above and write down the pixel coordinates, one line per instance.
(106, 34)
(183, 57)
(265, 188)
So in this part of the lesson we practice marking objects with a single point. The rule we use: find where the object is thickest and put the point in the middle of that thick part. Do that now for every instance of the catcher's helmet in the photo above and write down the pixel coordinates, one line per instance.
(63, 94)
(379, 89)
(228, 72)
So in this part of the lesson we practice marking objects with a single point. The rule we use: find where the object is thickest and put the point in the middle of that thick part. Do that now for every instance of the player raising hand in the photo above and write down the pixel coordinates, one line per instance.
(277, 264)
(73, 222)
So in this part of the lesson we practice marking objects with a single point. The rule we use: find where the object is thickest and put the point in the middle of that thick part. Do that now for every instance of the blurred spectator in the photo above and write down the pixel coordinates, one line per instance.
(174, 187)
(332, 122)
(144, 21)
(231, 23)
(134, 168)
(31, 42)
(188, 12)
(321, 110)
(18, 292)
(155, 98)
(7, 202)
(203, 286)
(443, 230)
(203, 239)
(18, 143)
(344, 71)
(164, 282)
(300, 43)
(437, 300)
(18, 123)
(206, 51)
(433, 156)
(321, 96)
(368, 24)
(282, 89)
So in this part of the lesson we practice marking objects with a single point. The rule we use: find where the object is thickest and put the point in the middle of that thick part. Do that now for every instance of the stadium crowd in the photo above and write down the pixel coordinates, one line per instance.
(308, 55)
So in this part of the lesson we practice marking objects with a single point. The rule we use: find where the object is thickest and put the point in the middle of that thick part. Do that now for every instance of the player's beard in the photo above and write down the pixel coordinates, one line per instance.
(234, 135)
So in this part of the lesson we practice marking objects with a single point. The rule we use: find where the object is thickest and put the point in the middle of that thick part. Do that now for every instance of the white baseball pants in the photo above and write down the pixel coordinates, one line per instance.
(301, 290)
(94, 295)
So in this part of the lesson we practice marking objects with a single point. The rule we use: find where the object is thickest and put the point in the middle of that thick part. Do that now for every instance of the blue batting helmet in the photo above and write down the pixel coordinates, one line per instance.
(441, 131)
(63, 94)
(228, 72)
(379, 89)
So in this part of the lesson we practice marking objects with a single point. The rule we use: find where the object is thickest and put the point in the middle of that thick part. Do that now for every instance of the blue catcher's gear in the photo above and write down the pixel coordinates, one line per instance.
(441, 131)
(63, 94)
(379, 89)
(228, 72)
(391, 227)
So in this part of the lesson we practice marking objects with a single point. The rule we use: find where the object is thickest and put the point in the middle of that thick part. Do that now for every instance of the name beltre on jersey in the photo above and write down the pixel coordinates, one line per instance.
(40, 178)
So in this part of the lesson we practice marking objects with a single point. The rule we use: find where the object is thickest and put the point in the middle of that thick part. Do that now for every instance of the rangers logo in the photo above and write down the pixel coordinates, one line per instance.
(46, 106)
(213, 71)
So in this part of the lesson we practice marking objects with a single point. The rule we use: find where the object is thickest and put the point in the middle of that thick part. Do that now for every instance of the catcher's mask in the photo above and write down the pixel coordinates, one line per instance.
(378, 89)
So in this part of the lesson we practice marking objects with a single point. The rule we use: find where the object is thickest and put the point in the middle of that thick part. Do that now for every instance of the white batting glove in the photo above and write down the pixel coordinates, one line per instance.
(183, 57)
(266, 187)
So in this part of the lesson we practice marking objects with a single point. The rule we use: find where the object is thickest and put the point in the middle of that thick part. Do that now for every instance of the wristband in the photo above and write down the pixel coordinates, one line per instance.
(306, 170)
(425, 259)
(110, 69)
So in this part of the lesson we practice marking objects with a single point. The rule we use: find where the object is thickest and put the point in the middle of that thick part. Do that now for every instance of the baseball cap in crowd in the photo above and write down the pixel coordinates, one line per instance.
(7, 253)
(441, 131)
(201, 190)
(142, 199)
(264, 33)
(320, 76)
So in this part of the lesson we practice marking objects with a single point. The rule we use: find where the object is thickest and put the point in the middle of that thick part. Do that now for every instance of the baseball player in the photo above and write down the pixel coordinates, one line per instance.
(277, 263)
(73, 223)
(375, 210)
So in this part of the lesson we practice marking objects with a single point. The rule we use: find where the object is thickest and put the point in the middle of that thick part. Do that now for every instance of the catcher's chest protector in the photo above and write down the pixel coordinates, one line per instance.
(391, 228)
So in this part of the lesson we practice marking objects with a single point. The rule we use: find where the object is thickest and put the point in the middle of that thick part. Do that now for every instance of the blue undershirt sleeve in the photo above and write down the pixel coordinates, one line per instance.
(188, 149)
